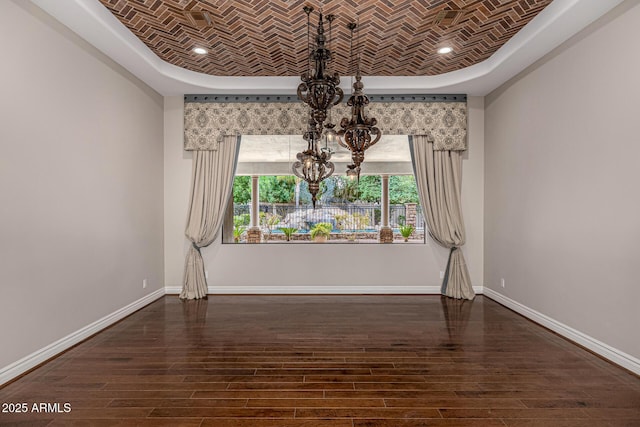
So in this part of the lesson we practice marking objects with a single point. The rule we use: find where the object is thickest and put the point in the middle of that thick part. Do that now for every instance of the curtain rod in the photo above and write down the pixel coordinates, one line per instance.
(209, 98)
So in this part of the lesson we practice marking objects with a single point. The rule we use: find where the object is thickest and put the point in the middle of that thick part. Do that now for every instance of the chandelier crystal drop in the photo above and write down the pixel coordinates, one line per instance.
(353, 171)
(330, 137)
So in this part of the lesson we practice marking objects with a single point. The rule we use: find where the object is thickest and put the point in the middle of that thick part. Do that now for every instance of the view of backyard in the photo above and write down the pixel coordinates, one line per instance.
(348, 210)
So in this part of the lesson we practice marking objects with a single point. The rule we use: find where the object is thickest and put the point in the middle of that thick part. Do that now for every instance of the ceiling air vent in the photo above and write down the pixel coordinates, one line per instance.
(199, 18)
(448, 17)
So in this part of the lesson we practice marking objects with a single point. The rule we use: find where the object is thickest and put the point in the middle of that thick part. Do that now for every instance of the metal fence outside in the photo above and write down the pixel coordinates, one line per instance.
(343, 217)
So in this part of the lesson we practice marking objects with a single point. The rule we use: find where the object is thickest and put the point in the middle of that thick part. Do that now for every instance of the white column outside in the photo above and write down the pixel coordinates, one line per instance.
(254, 234)
(255, 202)
(385, 200)
(386, 233)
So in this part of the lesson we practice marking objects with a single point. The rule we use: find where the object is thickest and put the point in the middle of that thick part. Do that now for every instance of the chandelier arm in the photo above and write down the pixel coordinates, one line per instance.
(378, 134)
(331, 168)
(303, 92)
(339, 93)
(294, 169)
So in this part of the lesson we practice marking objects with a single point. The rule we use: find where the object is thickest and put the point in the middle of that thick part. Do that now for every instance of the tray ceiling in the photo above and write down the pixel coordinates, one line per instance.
(269, 37)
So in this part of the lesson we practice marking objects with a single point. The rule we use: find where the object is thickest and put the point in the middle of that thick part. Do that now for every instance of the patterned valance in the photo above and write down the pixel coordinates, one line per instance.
(206, 123)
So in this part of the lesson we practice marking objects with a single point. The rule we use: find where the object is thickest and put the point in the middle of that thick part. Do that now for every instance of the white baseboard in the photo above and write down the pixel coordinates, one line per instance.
(614, 355)
(318, 290)
(34, 359)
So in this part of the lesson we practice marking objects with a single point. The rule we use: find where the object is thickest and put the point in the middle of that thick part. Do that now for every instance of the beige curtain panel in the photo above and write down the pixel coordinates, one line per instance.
(439, 180)
(211, 186)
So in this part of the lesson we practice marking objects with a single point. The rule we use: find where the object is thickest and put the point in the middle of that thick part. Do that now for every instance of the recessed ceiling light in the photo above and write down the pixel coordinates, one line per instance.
(445, 49)
(200, 51)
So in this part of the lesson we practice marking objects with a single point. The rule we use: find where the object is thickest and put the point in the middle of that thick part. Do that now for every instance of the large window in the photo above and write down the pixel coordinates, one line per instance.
(347, 211)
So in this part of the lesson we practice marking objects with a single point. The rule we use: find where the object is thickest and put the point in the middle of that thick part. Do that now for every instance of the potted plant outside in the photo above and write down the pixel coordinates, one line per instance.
(406, 231)
(321, 231)
(288, 232)
(268, 221)
(237, 232)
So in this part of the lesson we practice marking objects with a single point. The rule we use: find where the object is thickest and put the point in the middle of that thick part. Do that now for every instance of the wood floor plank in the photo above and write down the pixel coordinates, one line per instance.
(425, 386)
(388, 394)
(327, 361)
(226, 422)
(614, 413)
(132, 422)
(453, 403)
(178, 403)
(321, 413)
(259, 394)
(290, 386)
(364, 378)
(244, 378)
(315, 403)
(556, 423)
(428, 423)
(168, 386)
(224, 412)
(544, 414)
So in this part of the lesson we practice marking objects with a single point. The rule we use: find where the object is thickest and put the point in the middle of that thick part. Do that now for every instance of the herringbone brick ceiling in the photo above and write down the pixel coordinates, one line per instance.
(269, 37)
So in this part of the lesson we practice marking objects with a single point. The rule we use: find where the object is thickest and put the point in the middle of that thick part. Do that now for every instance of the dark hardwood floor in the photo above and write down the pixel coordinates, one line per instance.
(339, 361)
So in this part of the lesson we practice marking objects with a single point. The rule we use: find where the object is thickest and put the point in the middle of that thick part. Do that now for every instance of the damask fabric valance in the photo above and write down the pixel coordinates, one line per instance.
(206, 123)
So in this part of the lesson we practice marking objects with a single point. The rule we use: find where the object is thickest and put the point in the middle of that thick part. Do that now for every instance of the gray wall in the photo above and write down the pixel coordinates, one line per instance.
(562, 211)
(81, 175)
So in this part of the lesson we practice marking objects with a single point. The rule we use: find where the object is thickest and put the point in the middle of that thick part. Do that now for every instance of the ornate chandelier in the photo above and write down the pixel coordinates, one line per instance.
(320, 91)
(313, 165)
(356, 132)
